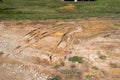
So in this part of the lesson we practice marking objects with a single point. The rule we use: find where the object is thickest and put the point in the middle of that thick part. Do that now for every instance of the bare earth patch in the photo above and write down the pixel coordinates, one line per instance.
(36, 50)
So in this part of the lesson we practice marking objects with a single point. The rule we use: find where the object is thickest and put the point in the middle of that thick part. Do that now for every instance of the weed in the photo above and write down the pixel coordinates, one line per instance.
(55, 77)
(90, 77)
(62, 64)
(102, 57)
(57, 66)
(76, 59)
(113, 65)
(95, 68)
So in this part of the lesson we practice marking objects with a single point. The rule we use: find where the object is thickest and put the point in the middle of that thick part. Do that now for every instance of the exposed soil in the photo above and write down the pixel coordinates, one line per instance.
(35, 50)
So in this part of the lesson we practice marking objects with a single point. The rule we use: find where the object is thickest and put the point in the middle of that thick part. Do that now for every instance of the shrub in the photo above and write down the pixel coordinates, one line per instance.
(76, 59)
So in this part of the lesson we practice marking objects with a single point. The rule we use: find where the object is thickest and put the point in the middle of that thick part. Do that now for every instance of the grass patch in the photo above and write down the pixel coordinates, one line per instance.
(76, 59)
(59, 65)
(50, 9)
(90, 77)
(114, 65)
(55, 77)
(117, 25)
(62, 64)
(95, 68)
(71, 73)
(102, 57)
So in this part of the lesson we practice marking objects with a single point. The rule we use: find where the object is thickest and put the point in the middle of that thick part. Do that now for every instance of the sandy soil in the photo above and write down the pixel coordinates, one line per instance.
(35, 50)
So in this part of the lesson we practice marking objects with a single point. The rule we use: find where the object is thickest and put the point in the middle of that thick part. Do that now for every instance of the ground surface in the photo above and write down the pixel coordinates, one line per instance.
(56, 9)
(35, 50)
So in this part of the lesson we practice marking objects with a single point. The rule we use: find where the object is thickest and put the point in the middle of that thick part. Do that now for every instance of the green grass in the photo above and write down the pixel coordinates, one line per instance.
(76, 59)
(55, 77)
(90, 77)
(102, 57)
(49, 9)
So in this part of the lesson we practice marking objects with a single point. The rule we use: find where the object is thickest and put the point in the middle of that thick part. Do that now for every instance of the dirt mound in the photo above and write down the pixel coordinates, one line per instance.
(68, 7)
(37, 50)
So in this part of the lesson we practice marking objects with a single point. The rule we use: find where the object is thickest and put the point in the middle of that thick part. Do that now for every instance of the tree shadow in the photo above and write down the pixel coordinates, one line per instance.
(7, 8)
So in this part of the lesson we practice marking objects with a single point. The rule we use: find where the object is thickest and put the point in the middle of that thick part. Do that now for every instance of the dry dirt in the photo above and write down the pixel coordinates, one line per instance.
(35, 50)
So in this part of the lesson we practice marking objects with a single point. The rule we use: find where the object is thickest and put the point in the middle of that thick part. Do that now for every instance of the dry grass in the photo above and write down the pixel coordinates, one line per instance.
(68, 7)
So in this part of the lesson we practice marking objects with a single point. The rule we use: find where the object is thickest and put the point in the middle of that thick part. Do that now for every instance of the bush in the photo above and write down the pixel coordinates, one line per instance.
(76, 59)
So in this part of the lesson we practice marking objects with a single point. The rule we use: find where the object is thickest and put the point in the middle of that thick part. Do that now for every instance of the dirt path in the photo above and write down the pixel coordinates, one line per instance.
(34, 50)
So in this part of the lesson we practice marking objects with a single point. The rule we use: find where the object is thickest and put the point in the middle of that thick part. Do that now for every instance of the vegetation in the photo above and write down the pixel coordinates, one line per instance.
(90, 77)
(62, 64)
(113, 65)
(76, 59)
(95, 68)
(71, 73)
(55, 77)
(59, 65)
(103, 57)
(1, 1)
(50, 9)
(116, 24)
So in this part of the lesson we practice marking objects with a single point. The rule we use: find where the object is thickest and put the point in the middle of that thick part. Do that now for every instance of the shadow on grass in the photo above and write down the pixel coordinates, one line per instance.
(7, 8)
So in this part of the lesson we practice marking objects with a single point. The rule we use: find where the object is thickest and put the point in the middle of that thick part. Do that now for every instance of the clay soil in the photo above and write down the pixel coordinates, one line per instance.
(36, 50)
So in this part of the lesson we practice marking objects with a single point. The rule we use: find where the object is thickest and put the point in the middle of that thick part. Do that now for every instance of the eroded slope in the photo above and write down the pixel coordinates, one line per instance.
(36, 50)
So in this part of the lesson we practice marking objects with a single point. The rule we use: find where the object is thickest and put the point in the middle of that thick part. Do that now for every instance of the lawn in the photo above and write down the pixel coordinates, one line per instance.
(50, 9)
